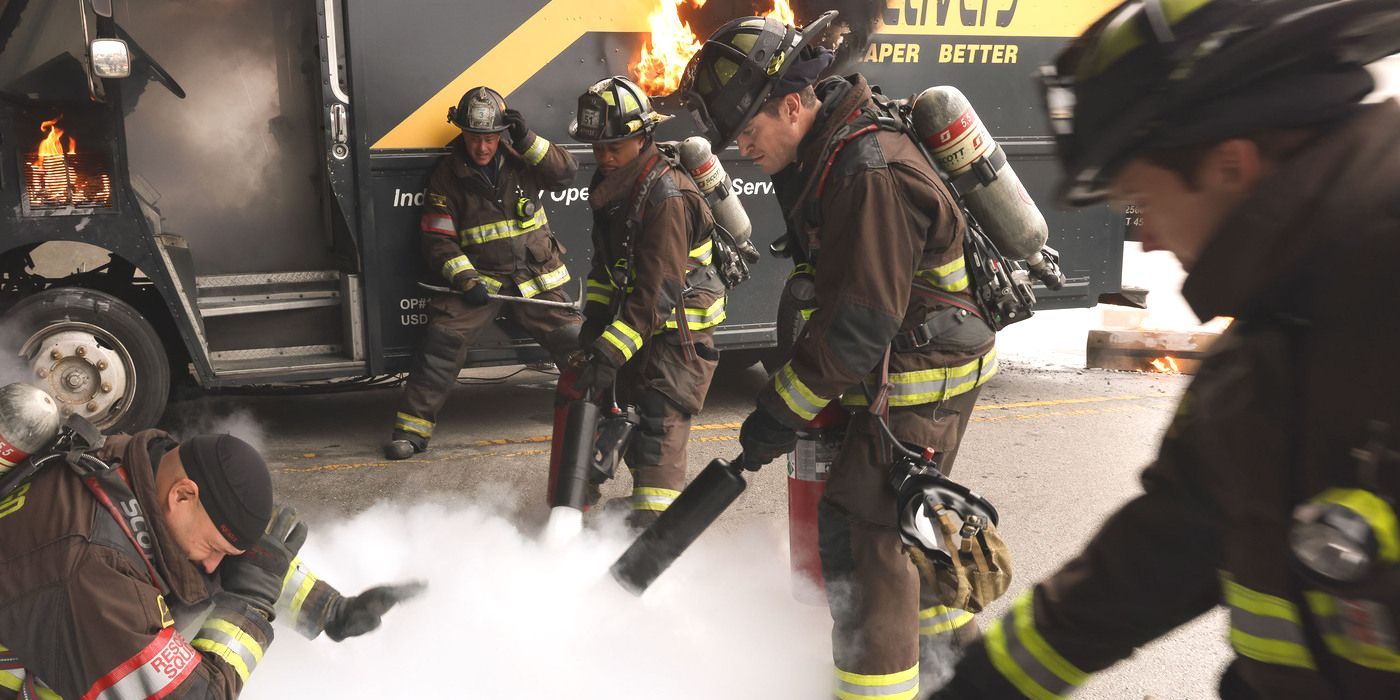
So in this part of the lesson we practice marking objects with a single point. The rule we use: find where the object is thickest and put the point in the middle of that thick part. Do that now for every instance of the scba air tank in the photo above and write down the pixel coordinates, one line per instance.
(29, 421)
(966, 152)
(718, 189)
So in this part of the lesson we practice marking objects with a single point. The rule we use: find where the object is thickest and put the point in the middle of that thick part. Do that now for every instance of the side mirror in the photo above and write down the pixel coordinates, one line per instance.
(111, 58)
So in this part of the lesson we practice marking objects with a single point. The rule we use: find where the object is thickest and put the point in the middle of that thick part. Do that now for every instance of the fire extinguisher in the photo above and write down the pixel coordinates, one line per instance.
(808, 466)
(566, 396)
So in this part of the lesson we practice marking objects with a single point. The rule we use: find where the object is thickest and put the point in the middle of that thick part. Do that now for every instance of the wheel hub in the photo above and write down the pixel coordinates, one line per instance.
(79, 369)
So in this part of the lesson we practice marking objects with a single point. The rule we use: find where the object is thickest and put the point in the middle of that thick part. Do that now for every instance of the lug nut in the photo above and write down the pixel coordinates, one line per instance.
(56, 354)
(101, 365)
(106, 388)
(43, 373)
(91, 406)
(82, 351)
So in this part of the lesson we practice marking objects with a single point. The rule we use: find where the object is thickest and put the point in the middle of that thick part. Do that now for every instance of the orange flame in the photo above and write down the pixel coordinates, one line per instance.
(667, 50)
(1166, 365)
(52, 145)
(782, 11)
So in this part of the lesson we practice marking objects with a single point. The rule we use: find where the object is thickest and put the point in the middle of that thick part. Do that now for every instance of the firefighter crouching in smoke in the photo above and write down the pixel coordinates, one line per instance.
(885, 239)
(1237, 127)
(106, 577)
(484, 232)
(654, 296)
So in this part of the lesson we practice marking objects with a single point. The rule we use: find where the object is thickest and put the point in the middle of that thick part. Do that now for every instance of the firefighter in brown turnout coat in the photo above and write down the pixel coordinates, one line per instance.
(108, 574)
(484, 232)
(1237, 128)
(654, 296)
(885, 239)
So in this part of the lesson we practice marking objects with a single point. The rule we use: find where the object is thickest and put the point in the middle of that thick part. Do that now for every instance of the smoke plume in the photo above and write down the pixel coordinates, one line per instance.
(239, 423)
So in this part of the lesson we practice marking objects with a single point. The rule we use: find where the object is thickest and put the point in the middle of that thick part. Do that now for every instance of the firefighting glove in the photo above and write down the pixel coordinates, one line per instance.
(515, 124)
(474, 292)
(352, 617)
(764, 438)
(256, 576)
(598, 375)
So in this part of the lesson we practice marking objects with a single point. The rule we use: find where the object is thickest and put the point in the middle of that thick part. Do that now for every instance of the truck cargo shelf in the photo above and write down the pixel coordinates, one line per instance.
(233, 295)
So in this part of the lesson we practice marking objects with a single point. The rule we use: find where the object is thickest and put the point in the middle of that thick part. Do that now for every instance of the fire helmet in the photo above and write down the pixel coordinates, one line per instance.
(730, 77)
(480, 111)
(29, 421)
(1153, 75)
(613, 109)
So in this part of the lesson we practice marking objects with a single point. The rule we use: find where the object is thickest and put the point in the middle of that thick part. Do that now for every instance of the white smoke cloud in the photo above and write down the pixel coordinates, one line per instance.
(239, 423)
(506, 616)
(12, 366)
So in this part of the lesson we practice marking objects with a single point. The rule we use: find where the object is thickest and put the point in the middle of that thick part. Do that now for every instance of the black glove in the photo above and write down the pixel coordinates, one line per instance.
(474, 292)
(763, 438)
(598, 375)
(515, 124)
(352, 617)
(256, 575)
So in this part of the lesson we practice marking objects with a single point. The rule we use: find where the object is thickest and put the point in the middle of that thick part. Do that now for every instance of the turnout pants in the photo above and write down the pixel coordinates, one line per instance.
(668, 387)
(882, 616)
(453, 325)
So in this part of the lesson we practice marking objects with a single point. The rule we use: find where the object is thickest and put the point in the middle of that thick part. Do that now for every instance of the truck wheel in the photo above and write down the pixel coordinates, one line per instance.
(95, 355)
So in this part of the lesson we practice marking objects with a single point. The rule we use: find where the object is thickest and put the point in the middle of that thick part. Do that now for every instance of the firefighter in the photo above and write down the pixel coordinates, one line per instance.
(106, 576)
(883, 238)
(654, 296)
(1238, 128)
(484, 231)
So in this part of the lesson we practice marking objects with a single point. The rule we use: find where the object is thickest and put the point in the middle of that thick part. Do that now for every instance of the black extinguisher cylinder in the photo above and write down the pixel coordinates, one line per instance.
(580, 430)
(712, 492)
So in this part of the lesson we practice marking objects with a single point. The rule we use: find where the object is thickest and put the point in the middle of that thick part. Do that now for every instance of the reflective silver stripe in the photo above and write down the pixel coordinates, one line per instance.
(413, 424)
(931, 385)
(545, 282)
(1357, 630)
(226, 641)
(647, 498)
(703, 253)
(1026, 661)
(698, 319)
(492, 285)
(622, 337)
(456, 265)
(799, 399)
(890, 686)
(942, 620)
(497, 230)
(437, 224)
(535, 153)
(1265, 627)
(1022, 656)
(951, 277)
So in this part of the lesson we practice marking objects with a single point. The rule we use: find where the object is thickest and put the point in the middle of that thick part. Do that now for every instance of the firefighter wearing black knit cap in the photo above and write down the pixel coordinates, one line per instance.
(104, 566)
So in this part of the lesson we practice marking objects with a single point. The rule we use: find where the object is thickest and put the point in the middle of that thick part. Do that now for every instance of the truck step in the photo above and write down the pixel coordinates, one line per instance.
(233, 295)
(282, 364)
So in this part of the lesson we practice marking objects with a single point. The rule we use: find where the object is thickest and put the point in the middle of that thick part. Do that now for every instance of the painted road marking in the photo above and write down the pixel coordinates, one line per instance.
(978, 417)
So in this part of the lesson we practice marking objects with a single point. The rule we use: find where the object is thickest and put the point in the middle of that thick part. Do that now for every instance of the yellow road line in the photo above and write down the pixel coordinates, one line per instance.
(539, 439)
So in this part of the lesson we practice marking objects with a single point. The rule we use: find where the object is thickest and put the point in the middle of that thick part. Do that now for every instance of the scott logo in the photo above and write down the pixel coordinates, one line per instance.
(140, 529)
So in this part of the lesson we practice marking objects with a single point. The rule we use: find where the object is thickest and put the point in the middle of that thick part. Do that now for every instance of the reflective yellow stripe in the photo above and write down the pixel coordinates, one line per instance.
(1377, 513)
(650, 498)
(950, 277)
(545, 282)
(799, 398)
(697, 319)
(941, 619)
(1001, 660)
(229, 643)
(13, 681)
(1018, 651)
(1343, 621)
(1039, 648)
(802, 269)
(535, 153)
(498, 230)
(492, 285)
(303, 590)
(931, 385)
(600, 292)
(1263, 627)
(413, 424)
(622, 337)
(703, 253)
(456, 265)
(903, 685)
(806, 314)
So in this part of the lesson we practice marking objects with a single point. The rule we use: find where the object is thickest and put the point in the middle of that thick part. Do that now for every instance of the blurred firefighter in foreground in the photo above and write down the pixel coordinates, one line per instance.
(110, 565)
(1237, 126)
(654, 295)
(484, 232)
(883, 238)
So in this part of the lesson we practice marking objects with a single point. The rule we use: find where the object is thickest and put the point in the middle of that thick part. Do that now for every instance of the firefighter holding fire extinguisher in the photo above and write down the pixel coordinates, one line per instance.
(883, 237)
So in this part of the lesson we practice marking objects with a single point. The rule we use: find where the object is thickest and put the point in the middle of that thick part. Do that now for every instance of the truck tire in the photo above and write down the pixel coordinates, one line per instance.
(94, 354)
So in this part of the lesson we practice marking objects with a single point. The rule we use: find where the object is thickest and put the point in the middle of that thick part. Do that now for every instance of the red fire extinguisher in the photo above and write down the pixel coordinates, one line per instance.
(566, 392)
(808, 466)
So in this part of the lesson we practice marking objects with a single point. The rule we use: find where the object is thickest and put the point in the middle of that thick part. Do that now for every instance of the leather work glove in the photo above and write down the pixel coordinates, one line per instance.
(256, 575)
(352, 617)
(598, 375)
(763, 438)
(474, 292)
(515, 124)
